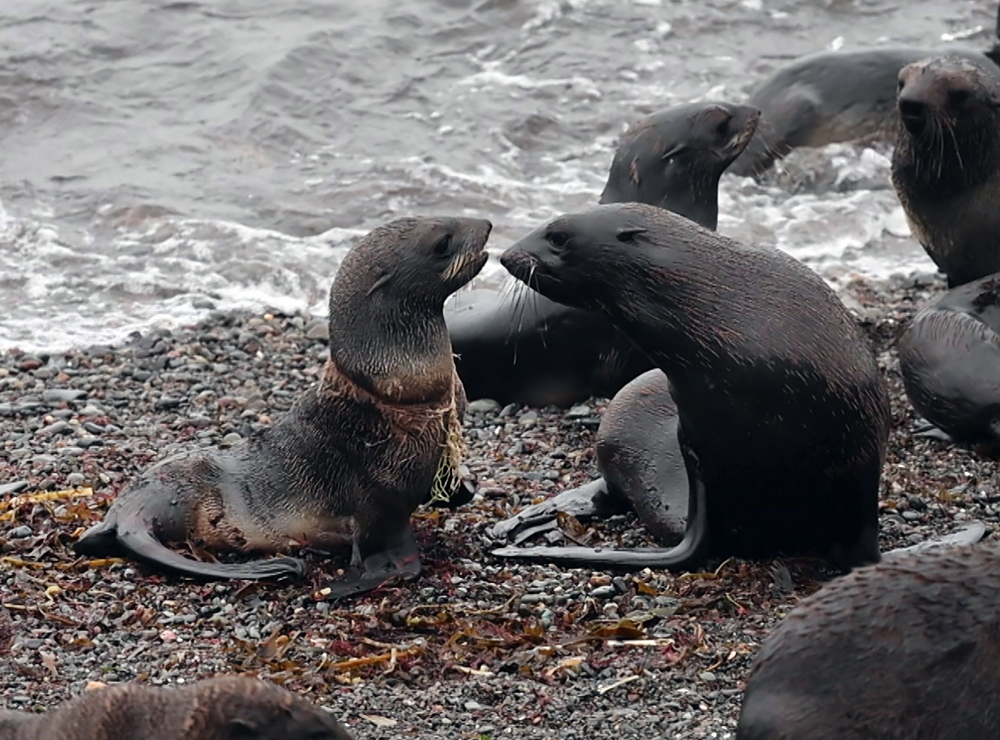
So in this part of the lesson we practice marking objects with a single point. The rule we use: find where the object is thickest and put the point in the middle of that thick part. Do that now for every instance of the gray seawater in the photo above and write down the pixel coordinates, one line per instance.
(156, 154)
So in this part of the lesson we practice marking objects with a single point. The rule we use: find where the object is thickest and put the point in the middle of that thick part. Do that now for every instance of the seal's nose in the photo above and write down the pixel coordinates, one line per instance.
(913, 113)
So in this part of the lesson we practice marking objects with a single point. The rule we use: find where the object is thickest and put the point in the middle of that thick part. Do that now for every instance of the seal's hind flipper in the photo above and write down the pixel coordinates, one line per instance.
(140, 544)
(589, 501)
(692, 550)
(969, 535)
(397, 559)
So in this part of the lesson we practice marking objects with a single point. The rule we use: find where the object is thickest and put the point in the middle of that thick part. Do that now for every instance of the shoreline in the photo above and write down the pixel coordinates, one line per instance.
(476, 646)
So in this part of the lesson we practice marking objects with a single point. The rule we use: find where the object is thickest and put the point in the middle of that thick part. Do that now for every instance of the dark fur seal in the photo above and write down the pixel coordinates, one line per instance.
(355, 456)
(222, 708)
(836, 97)
(523, 348)
(641, 462)
(949, 356)
(782, 415)
(909, 648)
(946, 164)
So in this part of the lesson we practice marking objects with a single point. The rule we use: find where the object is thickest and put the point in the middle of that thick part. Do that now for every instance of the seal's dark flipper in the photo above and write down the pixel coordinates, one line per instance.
(932, 432)
(139, 543)
(969, 535)
(399, 559)
(586, 502)
(688, 554)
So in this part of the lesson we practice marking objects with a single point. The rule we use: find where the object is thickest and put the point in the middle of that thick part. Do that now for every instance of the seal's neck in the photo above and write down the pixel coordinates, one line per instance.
(400, 353)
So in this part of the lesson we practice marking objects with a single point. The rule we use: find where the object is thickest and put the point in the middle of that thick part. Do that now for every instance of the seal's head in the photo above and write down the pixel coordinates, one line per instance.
(387, 328)
(674, 159)
(587, 259)
(249, 709)
(949, 109)
(412, 261)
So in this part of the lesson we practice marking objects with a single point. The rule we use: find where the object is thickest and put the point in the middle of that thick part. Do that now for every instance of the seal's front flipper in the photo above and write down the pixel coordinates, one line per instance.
(969, 535)
(932, 432)
(388, 561)
(586, 502)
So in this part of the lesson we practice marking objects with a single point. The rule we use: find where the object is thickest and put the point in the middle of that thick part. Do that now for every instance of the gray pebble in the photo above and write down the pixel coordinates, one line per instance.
(231, 439)
(59, 395)
(484, 406)
(604, 592)
(13, 487)
(20, 532)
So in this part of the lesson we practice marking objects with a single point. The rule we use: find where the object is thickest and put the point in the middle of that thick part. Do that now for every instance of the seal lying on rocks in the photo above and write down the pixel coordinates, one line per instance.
(519, 347)
(355, 456)
(904, 649)
(835, 97)
(782, 415)
(946, 164)
(949, 357)
(221, 708)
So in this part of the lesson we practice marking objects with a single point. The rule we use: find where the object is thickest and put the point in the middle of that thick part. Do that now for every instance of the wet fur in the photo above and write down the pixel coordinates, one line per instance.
(947, 175)
(783, 415)
(354, 456)
(516, 346)
(833, 97)
(905, 650)
(949, 356)
(222, 708)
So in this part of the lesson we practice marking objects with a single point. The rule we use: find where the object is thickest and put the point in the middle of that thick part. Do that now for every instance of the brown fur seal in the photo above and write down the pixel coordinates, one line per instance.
(355, 456)
(835, 97)
(946, 164)
(949, 356)
(782, 415)
(519, 347)
(909, 648)
(224, 708)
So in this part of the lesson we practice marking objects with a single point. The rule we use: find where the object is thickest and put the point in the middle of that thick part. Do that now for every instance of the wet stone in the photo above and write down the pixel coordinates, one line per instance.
(62, 395)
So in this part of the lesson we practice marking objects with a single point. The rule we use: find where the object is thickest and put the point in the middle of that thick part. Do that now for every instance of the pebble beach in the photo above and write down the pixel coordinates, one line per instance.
(476, 647)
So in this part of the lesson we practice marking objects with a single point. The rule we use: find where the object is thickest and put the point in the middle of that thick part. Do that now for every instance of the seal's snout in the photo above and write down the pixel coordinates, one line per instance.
(518, 262)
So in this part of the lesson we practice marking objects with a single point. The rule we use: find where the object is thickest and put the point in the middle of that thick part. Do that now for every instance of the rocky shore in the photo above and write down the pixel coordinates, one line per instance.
(476, 648)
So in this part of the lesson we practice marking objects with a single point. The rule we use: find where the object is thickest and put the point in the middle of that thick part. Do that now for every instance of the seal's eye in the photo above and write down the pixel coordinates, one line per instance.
(900, 85)
(958, 97)
(722, 129)
(443, 246)
(557, 238)
(671, 156)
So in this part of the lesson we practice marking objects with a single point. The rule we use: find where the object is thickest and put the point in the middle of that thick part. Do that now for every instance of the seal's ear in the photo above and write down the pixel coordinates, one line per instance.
(627, 235)
(386, 277)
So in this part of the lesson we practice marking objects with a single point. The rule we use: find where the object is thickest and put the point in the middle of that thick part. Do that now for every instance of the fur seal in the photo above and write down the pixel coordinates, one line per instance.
(782, 415)
(834, 97)
(946, 164)
(356, 454)
(949, 356)
(904, 649)
(520, 347)
(223, 708)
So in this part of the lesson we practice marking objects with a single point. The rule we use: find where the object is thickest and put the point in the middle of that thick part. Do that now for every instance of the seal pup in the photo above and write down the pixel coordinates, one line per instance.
(782, 415)
(354, 456)
(520, 347)
(909, 648)
(949, 356)
(946, 164)
(222, 708)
